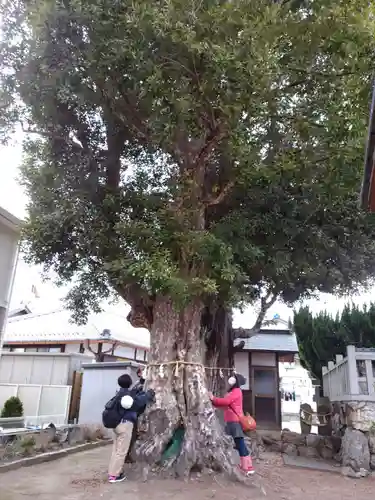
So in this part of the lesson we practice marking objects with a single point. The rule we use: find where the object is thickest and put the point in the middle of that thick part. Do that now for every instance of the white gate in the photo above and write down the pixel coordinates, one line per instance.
(41, 403)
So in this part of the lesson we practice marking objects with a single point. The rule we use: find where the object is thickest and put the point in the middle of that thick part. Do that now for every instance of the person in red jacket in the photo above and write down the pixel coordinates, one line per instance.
(232, 404)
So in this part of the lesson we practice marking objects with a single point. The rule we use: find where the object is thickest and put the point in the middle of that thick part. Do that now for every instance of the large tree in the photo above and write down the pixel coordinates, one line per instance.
(162, 138)
(322, 336)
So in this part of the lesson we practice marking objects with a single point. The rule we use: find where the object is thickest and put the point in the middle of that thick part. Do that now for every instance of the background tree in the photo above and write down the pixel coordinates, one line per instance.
(322, 336)
(145, 122)
(97, 350)
(13, 407)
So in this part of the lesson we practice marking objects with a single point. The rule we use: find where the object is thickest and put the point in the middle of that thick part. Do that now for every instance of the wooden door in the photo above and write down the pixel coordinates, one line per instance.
(265, 396)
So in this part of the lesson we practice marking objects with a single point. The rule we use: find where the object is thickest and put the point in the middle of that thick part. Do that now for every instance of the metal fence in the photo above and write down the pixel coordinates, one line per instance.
(351, 378)
(41, 403)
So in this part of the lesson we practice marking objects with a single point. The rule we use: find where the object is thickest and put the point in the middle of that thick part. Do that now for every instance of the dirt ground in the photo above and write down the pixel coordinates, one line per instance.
(83, 477)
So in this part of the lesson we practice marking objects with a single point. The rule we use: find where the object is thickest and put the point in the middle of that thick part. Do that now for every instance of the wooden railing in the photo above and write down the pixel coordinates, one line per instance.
(351, 378)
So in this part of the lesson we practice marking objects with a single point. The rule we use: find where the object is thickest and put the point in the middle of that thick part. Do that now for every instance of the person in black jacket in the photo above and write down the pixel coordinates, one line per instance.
(137, 389)
(131, 403)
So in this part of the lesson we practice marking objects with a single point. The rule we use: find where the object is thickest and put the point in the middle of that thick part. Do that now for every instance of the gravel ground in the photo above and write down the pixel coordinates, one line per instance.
(83, 477)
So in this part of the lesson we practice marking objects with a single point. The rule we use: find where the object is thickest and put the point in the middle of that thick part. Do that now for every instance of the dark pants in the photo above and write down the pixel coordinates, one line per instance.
(241, 447)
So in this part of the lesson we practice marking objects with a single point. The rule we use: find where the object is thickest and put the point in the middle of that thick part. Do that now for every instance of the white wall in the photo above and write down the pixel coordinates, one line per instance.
(293, 377)
(8, 260)
(38, 368)
(125, 352)
(241, 364)
(74, 349)
(99, 385)
(8, 252)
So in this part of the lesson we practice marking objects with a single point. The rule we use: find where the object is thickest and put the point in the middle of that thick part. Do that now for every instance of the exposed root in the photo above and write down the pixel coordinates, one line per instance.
(204, 448)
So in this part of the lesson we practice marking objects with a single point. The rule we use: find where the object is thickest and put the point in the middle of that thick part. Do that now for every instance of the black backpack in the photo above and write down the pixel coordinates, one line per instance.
(112, 415)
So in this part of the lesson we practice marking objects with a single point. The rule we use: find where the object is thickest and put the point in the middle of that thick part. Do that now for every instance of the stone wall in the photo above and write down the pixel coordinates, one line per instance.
(355, 453)
(355, 421)
(352, 443)
(310, 446)
(360, 415)
(26, 444)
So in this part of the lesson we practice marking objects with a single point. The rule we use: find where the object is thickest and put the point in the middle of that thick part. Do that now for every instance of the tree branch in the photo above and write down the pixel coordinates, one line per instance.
(111, 350)
(265, 303)
(212, 139)
(95, 353)
(141, 314)
(126, 109)
(212, 200)
(116, 136)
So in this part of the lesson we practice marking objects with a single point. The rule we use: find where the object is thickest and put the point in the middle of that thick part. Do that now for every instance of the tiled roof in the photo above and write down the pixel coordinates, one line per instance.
(270, 340)
(57, 327)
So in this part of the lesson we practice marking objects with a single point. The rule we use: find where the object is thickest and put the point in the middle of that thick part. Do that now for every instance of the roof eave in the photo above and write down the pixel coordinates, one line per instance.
(31, 341)
(279, 351)
(10, 221)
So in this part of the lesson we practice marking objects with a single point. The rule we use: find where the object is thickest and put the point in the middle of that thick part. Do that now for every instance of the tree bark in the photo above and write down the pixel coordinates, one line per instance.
(181, 397)
(217, 324)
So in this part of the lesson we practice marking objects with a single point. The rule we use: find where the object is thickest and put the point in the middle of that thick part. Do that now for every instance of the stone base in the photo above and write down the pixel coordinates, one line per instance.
(354, 421)
(30, 443)
(358, 415)
(355, 450)
(293, 444)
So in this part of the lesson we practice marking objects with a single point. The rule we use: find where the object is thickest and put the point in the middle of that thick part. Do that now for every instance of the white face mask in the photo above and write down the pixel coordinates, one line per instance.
(232, 381)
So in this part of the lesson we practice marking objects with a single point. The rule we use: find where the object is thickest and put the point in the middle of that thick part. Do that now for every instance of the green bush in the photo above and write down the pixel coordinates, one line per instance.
(13, 407)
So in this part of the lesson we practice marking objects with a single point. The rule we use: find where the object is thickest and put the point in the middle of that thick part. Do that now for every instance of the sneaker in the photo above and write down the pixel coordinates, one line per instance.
(118, 479)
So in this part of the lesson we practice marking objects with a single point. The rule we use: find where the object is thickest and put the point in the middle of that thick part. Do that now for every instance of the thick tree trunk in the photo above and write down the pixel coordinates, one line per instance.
(182, 399)
(217, 322)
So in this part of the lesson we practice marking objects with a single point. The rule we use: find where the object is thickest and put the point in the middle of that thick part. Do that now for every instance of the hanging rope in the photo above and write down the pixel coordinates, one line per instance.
(307, 418)
(178, 363)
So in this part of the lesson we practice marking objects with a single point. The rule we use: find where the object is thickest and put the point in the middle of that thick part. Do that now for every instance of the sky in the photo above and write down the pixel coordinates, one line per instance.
(14, 199)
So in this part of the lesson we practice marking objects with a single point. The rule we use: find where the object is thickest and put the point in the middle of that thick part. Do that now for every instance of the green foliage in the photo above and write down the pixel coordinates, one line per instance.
(28, 442)
(209, 149)
(323, 336)
(13, 407)
(27, 445)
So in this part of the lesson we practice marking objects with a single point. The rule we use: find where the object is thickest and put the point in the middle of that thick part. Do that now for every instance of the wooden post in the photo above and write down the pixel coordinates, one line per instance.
(38, 404)
(325, 383)
(331, 379)
(352, 370)
(370, 378)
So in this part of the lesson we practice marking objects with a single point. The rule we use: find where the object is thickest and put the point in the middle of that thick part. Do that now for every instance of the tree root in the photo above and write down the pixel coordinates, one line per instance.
(205, 449)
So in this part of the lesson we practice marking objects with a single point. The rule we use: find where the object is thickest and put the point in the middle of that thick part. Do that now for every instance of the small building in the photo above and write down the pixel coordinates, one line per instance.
(258, 358)
(106, 336)
(9, 236)
(99, 385)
